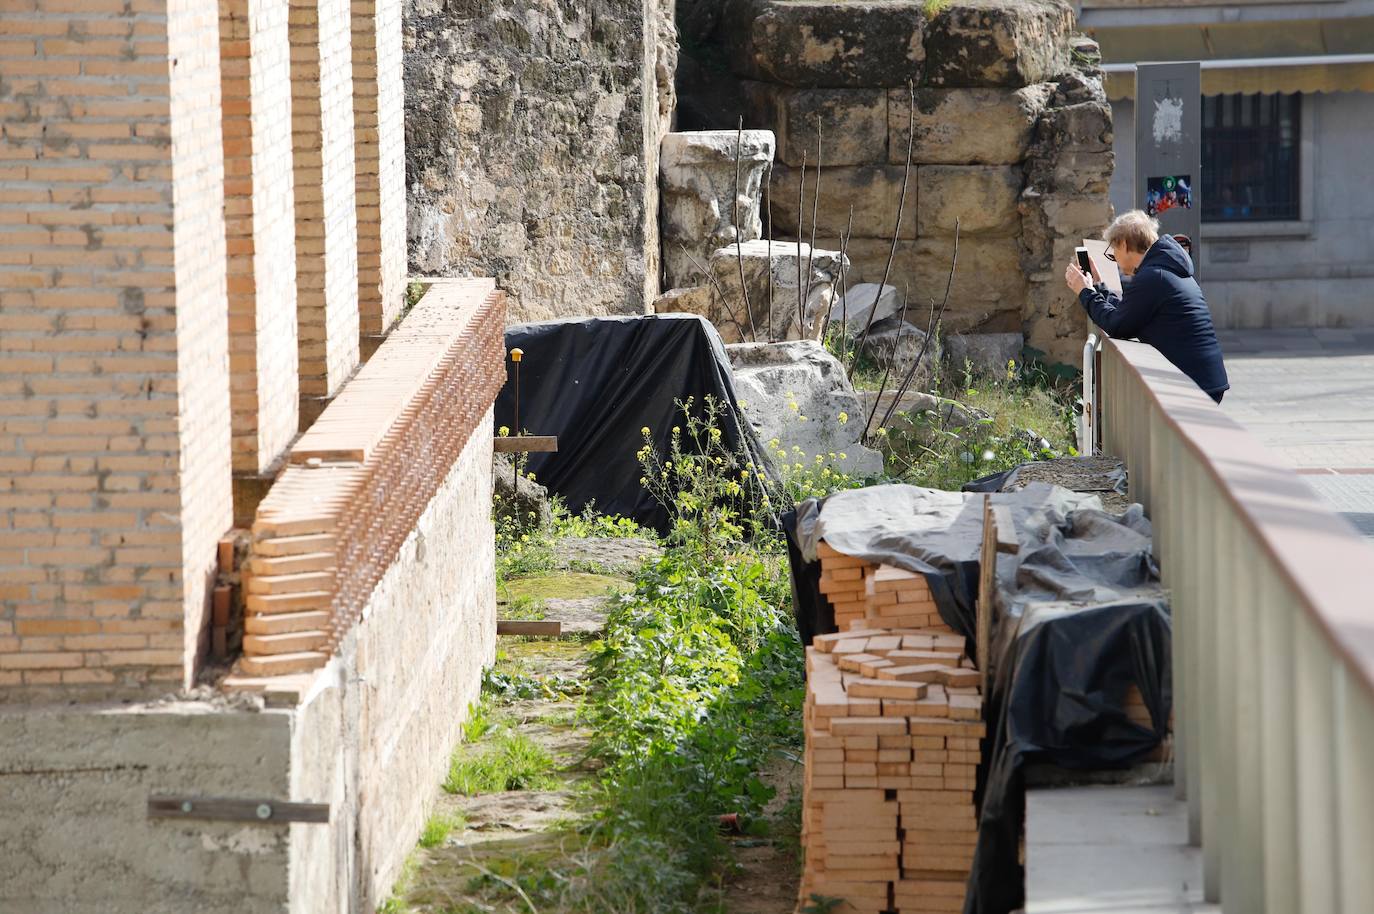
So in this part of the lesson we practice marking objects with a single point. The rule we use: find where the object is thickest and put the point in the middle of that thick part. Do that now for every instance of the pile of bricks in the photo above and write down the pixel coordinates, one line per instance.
(893, 724)
(867, 595)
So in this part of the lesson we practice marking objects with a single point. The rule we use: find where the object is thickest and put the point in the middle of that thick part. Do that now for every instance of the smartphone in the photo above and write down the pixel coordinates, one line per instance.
(1084, 263)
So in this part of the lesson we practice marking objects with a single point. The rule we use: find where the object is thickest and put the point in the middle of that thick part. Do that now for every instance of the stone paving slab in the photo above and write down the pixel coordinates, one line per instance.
(1309, 395)
(1111, 850)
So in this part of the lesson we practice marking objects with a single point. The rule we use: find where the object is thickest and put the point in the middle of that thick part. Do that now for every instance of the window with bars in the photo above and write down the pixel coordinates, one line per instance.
(1250, 149)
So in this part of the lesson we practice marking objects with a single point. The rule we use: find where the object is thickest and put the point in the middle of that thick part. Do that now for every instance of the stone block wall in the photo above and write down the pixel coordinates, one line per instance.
(404, 699)
(260, 229)
(379, 147)
(325, 194)
(532, 136)
(114, 388)
(1009, 130)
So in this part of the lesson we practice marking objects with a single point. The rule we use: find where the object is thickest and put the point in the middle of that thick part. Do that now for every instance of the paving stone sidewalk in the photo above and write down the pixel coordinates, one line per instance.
(1309, 395)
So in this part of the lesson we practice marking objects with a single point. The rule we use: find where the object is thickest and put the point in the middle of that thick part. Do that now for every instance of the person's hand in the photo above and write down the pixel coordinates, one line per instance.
(1092, 265)
(1077, 280)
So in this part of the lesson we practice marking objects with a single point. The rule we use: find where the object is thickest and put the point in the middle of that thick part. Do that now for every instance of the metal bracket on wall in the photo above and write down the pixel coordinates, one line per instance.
(227, 809)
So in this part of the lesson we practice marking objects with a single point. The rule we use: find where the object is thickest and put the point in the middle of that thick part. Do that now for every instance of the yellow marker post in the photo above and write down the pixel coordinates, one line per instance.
(515, 356)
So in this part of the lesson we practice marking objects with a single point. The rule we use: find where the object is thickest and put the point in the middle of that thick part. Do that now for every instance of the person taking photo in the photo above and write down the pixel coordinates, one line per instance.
(1162, 304)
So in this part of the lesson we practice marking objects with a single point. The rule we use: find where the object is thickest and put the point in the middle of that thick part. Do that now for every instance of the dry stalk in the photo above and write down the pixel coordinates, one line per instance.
(844, 289)
(768, 208)
(739, 233)
(891, 359)
(801, 210)
(719, 290)
(815, 206)
(934, 321)
(901, 204)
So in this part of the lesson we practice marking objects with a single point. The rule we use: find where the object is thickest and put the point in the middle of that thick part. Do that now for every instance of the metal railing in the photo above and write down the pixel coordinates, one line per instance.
(1273, 647)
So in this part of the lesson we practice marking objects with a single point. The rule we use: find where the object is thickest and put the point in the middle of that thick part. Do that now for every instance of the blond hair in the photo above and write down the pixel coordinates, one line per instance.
(1134, 229)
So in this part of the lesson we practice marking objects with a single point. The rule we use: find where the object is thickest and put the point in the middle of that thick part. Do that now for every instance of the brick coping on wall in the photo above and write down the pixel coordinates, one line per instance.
(358, 480)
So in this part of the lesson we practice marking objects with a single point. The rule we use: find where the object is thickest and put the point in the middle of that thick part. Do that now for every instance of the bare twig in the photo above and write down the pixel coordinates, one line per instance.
(935, 317)
(801, 209)
(891, 359)
(815, 206)
(901, 204)
(844, 290)
(739, 233)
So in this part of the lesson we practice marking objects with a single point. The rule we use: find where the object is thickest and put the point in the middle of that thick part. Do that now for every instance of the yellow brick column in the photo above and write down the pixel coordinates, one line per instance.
(379, 138)
(260, 227)
(114, 380)
(326, 223)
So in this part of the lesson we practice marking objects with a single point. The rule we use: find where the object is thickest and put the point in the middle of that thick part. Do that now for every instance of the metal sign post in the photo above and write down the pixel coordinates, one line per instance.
(1168, 147)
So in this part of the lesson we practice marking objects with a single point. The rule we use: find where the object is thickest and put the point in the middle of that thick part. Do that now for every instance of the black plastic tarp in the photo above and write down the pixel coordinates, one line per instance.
(1080, 617)
(595, 382)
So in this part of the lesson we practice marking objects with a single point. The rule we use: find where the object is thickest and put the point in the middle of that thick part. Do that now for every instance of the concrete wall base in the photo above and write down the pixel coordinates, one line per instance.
(371, 738)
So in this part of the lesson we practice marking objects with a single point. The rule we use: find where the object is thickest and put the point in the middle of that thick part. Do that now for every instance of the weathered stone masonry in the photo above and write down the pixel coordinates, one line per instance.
(532, 132)
(1012, 137)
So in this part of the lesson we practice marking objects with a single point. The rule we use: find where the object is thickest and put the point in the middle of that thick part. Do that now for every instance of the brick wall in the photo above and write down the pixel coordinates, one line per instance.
(379, 137)
(260, 229)
(326, 227)
(111, 314)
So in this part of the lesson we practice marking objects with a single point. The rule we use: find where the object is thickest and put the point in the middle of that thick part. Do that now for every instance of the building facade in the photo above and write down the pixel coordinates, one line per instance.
(1288, 104)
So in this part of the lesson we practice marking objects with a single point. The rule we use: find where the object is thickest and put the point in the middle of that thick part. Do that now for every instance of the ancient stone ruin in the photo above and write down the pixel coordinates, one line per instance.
(1009, 134)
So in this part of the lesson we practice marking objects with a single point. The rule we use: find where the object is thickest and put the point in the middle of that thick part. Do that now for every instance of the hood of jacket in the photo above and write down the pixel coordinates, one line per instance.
(1168, 255)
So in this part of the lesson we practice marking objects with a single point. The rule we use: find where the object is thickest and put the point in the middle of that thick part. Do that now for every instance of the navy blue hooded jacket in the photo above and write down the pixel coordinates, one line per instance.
(1163, 305)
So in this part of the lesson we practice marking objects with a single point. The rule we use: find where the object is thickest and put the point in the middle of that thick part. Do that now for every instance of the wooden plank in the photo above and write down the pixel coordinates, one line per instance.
(512, 444)
(235, 810)
(524, 627)
(1007, 544)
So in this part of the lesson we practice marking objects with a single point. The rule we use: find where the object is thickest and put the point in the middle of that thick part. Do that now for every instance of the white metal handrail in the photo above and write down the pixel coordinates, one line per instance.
(1088, 419)
(1273, 647)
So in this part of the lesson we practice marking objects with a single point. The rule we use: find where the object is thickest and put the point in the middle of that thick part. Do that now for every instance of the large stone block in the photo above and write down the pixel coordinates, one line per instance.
(872, 192)
(827, 44)
(965, 126)
(980, 198)
(998, 43)
(780, 383)
(853, 123)
(1054, 325)
(989, 289)
(987, 353)
(711, 183)
(787, 290)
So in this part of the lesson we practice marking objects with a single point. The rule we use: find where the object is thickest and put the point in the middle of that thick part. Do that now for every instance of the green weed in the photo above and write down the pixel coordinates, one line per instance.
(437, 828)
(479, 722)
(510, 761)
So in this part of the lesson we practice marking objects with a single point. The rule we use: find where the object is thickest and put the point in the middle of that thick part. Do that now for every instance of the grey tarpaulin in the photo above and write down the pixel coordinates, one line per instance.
(1080, 617)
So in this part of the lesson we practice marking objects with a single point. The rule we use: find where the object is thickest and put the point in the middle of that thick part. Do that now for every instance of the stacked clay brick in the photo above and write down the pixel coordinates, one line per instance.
(893, 724)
